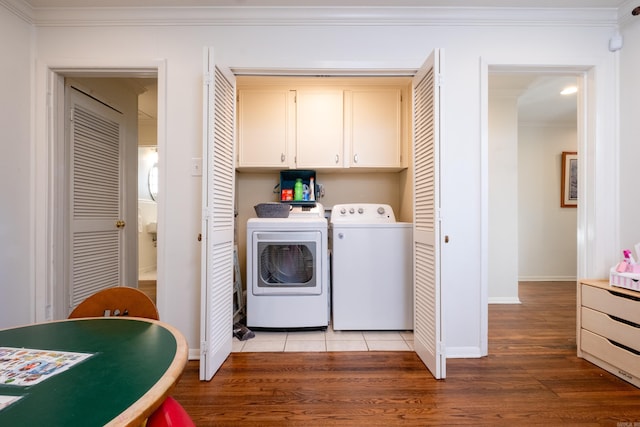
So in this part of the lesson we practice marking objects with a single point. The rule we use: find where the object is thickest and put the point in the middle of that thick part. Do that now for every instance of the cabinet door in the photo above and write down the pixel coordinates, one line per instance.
(375, 127)
(264, 127)
(319, 128)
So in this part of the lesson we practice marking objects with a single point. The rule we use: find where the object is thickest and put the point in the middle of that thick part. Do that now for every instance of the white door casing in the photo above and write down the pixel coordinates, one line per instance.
(218, 181)
(95, 242)
(428, 339)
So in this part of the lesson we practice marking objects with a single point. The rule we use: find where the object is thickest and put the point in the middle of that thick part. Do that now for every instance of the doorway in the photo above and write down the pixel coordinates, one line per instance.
(120, 92)
(148, 193)
(531, 237)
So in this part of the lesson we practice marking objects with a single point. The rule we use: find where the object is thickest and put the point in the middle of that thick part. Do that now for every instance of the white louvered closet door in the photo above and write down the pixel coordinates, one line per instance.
(96, 238)
(218, 182)
(427, 296)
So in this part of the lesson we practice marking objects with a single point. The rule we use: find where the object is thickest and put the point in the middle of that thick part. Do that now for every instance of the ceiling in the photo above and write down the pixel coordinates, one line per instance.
(330, 3)
(539, 98)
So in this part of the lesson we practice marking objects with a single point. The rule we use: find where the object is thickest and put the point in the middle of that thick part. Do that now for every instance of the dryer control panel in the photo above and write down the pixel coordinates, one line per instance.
(365, 213)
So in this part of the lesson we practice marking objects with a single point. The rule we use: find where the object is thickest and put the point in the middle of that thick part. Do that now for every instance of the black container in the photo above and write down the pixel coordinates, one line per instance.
(287, 181)
(272, 210)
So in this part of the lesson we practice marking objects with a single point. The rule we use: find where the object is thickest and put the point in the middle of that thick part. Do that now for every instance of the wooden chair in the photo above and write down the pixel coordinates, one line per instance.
(124, 301)
(118, 301)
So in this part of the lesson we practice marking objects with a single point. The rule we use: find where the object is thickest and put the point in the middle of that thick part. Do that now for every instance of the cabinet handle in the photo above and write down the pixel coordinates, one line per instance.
(282, 157)
(355, 158)
(337, 158)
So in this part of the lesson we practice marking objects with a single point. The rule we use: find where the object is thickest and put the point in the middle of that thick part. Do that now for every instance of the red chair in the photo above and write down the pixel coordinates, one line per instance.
(170, 414)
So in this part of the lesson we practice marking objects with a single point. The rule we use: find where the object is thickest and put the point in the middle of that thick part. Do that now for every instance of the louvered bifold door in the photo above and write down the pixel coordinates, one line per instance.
(218, 220)
(427, 296)
(96, 235)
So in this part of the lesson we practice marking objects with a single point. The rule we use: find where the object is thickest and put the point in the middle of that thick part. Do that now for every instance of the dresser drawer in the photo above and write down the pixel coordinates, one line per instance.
(620, 332)
(617, 304)
(624, 363)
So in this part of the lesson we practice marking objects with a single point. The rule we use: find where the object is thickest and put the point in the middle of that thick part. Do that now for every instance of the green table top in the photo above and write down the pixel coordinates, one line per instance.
(131, 357)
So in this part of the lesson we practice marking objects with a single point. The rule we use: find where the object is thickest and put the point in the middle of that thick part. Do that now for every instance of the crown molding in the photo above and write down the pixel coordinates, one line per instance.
(19, 8)
(296, 15)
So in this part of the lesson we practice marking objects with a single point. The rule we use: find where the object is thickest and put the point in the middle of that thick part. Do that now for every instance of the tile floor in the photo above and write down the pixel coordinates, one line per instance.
(329, 340)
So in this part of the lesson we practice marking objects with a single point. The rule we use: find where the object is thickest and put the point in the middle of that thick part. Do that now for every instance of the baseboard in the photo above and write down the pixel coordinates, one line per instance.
(194, 354)
(463, 353)
(504, 300)
(547, 279)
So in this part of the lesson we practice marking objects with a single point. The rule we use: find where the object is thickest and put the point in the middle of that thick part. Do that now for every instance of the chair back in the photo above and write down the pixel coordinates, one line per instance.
(118, 301)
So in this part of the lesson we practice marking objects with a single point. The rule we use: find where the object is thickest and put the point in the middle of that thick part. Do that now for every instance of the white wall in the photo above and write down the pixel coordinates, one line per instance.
(547, 233)
(503, 198)
(629, 136)
(335, 46)
(253, 188)
(16, 173)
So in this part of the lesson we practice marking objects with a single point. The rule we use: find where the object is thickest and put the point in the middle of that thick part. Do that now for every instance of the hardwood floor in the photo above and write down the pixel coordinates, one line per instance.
(149, 288)
(531, 377)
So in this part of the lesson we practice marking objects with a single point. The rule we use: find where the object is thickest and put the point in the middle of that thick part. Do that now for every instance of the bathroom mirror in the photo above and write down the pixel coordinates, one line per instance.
(153, 182)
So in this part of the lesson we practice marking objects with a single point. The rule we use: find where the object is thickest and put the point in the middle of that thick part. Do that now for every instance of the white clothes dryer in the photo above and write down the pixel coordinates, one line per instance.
(287, 270)
(371, 275)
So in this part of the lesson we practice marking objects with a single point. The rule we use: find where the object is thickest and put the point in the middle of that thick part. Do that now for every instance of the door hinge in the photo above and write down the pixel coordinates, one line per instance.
(208, 79)
(439, 80)
(71, 114)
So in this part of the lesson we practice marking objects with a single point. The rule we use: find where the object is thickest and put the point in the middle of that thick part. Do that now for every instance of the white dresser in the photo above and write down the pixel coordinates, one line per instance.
(608, 328)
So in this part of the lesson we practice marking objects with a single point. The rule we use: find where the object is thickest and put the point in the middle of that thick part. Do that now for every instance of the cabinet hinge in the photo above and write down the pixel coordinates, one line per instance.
(72, 114)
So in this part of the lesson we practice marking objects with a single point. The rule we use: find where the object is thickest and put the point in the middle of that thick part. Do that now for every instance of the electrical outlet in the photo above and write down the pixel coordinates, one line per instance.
(196, 166)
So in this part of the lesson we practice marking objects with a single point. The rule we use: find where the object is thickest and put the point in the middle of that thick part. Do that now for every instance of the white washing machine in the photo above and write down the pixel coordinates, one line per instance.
(371, 276)
(287, 270)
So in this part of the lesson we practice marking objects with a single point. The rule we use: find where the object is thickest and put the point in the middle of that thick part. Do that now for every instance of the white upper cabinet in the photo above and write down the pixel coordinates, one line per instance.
(374, 127)
(319, 128)
(266, 118)
(310, 124)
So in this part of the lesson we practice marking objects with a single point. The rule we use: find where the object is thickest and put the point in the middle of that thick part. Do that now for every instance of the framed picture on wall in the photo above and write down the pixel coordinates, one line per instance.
(569, 186)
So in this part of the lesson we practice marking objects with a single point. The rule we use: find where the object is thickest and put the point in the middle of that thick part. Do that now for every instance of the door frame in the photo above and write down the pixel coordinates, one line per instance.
(48, 136)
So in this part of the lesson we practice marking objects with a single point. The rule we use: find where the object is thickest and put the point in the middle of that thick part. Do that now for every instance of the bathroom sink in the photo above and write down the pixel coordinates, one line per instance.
(152, 227)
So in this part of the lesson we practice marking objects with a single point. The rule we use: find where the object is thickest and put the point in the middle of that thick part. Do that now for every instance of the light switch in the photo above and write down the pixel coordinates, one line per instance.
(196, 166)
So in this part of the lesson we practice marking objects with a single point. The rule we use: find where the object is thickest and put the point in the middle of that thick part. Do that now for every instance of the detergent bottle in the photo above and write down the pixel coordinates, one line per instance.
(297, 189)
(312, 189)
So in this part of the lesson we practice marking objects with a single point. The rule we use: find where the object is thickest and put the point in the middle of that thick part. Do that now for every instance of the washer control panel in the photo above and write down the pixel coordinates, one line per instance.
(362, 213)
